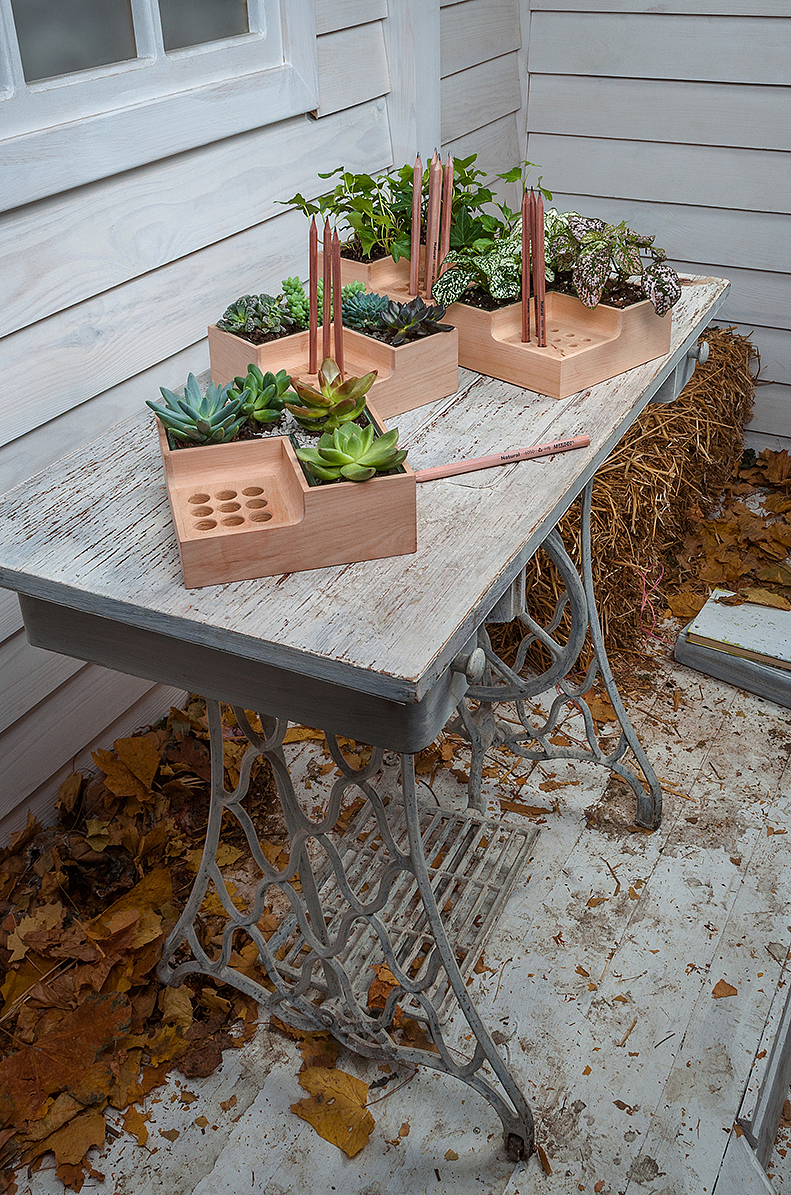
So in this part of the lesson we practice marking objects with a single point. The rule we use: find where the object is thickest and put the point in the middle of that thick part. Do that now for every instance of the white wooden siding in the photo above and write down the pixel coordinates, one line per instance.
(675, 116)
(106, 289)
(478, 96)
(480, 30)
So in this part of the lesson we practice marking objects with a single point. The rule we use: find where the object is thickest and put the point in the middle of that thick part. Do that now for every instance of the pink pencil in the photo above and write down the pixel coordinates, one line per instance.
(501, 458)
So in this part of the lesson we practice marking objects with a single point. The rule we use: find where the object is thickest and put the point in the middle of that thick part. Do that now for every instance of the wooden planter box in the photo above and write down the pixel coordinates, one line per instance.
(408, 376)
(246, 510)
(384, 277)
(584, 345)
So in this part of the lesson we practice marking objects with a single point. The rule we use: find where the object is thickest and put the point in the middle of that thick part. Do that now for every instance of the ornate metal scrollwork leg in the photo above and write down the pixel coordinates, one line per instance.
(504, 684)
(369, 895)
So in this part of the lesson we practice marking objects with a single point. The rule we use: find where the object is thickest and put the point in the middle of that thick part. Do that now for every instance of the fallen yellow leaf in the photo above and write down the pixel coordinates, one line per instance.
(723, 988)
(336, 1108)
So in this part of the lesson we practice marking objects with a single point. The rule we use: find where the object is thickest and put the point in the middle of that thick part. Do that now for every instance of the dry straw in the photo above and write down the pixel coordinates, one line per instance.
(668, 472)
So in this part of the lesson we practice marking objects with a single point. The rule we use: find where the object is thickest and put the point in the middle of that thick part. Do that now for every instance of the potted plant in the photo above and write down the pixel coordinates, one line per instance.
(607, 310)
(252, 507)
(414, 364)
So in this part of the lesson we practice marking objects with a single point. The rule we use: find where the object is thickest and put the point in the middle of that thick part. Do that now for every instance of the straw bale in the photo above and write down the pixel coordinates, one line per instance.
(668, 472)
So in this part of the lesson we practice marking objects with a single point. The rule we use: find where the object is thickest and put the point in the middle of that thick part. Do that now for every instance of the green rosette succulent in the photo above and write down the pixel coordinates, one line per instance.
(263, 394)
(352, 453)
(258, 318)
(213, 418)
(413, 320)
(334, 403)
(362, 309)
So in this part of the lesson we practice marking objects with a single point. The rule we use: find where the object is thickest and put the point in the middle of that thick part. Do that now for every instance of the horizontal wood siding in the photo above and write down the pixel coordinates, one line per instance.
(476, 32)
(676, 117)
(106, 291)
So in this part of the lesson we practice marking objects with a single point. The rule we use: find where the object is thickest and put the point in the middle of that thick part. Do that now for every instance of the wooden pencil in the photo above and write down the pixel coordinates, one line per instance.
(541, 322)
(525, 268)
(337, 309)
(313, 299)
(432, 223)
(453, 468)
(447, 214)
(326, 261)
(417, 210)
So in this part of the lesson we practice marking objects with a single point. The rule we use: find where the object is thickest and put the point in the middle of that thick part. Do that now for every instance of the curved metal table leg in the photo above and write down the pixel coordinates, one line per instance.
(507, 684)
(370, 894)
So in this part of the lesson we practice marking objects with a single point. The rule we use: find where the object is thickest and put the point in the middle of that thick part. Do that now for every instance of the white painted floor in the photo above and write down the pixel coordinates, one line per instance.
(605, 961)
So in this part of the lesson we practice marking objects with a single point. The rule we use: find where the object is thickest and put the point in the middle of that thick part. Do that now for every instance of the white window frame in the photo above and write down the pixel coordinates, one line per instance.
(60, 133)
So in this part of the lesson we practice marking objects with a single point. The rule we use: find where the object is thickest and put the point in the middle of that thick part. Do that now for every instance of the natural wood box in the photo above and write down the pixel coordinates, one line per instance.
(584, 345)
(246, 509)
(384, 277)
(408, 376)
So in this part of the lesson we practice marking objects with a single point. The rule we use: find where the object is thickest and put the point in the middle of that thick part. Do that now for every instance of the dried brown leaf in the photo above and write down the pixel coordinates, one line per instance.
(336, 1108)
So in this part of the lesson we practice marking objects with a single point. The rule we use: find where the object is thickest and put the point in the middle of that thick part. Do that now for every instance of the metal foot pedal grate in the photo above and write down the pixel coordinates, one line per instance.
(473, 862)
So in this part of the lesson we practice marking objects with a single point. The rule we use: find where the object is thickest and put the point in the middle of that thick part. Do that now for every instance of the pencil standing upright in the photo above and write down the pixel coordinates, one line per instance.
(326, 316)
(447, 214)
(538, 250)
(525, 268)
(414, 245)
(337, 309)
(313, 298)
(432, 222)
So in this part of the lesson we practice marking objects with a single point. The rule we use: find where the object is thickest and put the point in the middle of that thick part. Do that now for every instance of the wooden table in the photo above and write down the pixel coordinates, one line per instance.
(383, 652)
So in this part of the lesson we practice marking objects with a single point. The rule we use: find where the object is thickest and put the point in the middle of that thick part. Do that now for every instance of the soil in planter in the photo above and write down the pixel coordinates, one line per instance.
(352, 251)
(617, 292)
(388, 335)
(476, 296)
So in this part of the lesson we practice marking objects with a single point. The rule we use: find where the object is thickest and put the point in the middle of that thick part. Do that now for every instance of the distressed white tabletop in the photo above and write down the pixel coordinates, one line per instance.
(93, 532)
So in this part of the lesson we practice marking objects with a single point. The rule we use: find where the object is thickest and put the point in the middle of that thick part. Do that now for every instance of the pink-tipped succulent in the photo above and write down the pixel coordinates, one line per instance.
(334, 403)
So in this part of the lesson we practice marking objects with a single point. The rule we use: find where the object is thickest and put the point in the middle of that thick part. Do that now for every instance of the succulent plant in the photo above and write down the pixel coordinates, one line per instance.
(362, 310)
(213, 418)
(296, 301)
(257, 318)
(412, 320)
(263, 394)
(352, 453)
(334, 403)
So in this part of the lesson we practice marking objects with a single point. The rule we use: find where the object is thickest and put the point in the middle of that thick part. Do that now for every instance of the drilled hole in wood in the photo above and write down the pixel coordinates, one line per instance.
(200, 511)
(256, 503)
(262, 516)
(233, 521)
(225, 495)
(206, 524)
(199, 499)
(252, 490)
(586, 340)
(230, 506)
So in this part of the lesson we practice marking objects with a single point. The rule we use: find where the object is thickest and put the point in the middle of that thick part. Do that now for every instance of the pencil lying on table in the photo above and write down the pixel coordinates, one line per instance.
(501, 458)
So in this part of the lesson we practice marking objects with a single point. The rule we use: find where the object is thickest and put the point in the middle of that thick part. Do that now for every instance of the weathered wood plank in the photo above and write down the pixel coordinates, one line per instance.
(341, 14)
(757, 296)
(38, 745)
(155, 701)
(772, 414)
(103, 341)
(497, 145)
(29, 675)
(128, 225)
(476, 31)
(666, 46)
(715, 8)
(476, 97)
(10, 616)
(413, 43)
(687, 174)
(741, 1172)
(295, 623)
(722, 236)
(352, 67)
(655, 110)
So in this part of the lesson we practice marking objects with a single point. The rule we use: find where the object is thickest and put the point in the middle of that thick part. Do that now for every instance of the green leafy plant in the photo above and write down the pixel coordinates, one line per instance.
(496, 270)
(334, 403)
(213, 418)
(263, 395)
(594, 253)
(352, 453)
(258, 318)
(362, 310)
(413, 320)
(372, 209)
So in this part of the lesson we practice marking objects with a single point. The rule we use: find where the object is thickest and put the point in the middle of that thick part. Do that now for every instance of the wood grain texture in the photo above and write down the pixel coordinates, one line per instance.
(497, 145)
(103, 341)
(341, 14)
(772, 414)
(156, 701)
(352, 67)
(706, 113)
(124, 564)
(476, 31)
(128, 225)
(412, 39)
(10, 616)
(741, 1172)
(476, 97)
(408, 376)
(661, 46)
(246, 510)
(715, 8)
(757, 296)
(583, 346)
(29, 675)
(686, 174)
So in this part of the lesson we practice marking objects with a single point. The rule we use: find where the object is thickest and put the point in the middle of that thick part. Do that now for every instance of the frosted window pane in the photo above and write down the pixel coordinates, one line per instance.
(192, 22)
(58, 37)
